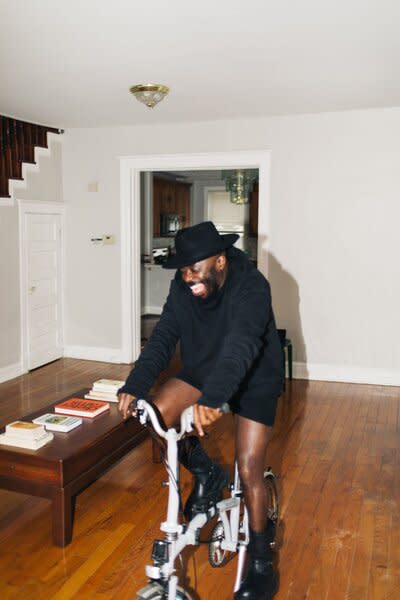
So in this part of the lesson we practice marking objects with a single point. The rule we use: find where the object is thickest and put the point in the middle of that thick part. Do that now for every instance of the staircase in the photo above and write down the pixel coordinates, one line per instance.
(17, 145)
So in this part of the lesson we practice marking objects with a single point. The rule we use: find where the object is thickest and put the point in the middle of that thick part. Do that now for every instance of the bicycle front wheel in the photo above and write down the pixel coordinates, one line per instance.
(273, 498)
(154, 591)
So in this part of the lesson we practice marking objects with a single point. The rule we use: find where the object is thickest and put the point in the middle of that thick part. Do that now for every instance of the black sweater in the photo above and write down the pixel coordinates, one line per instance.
(229, 342)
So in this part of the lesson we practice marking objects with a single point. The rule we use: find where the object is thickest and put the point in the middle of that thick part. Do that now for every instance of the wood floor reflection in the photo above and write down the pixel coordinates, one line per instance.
(337, 450)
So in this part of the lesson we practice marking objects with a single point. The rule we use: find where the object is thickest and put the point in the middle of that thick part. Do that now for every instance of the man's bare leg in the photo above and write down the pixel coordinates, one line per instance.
(252, 439)
(171, 400)
(209, 478)
(173, 397)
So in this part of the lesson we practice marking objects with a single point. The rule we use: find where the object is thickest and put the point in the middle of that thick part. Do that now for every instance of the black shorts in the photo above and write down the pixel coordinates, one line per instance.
(252, 403)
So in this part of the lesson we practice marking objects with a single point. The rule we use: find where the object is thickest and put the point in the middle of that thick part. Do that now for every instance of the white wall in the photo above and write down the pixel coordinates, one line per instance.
(42, 183)
(10, 347)
(335, 184)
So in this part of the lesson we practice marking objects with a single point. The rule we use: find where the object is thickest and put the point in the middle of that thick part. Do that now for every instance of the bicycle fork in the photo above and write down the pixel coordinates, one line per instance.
(177, 537)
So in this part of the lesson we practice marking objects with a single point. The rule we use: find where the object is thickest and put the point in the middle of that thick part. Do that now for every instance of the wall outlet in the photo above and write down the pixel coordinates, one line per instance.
(108, 239)
(93, 186)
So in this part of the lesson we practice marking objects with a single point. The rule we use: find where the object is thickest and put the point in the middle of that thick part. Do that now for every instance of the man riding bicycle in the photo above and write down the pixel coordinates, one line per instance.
(219, 309)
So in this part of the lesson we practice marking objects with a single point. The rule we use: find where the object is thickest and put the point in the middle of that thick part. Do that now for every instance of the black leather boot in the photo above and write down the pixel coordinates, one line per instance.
(209, 478)
(261, 580)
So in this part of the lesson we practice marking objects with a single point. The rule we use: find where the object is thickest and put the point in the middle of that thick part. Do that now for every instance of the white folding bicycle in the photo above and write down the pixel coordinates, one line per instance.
(230, 534)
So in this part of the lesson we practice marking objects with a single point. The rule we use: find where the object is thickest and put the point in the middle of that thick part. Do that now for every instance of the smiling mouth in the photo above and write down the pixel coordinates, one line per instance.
(198, 289)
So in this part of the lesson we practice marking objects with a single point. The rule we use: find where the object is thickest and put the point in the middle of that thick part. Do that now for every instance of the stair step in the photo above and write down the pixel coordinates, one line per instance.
(18, 140)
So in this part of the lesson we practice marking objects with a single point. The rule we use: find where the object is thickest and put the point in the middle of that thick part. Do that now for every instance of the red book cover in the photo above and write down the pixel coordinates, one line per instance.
(81, 407)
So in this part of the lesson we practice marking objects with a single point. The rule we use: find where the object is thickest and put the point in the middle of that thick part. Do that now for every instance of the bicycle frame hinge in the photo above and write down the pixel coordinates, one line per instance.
(171, 528)
(153, 572)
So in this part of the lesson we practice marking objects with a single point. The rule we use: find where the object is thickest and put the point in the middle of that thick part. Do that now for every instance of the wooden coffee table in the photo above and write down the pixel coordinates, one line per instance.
(70, 462)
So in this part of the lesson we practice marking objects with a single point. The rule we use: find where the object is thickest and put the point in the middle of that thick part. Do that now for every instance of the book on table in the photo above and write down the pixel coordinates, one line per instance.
(24, 434)
(25, 429)
(104, 396)
(82, 407)
(107, 385)
(63, 423)
(105, 389)
(21, 442)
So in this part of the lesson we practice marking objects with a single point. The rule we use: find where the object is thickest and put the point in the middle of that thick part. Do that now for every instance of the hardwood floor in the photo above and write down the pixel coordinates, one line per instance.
(337, 450)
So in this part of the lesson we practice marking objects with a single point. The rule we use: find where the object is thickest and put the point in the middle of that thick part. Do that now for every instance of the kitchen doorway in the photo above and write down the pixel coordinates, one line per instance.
(173, 200)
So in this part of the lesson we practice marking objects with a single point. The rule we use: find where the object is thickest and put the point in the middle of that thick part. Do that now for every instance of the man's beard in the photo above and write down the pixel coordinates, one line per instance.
(211, 282)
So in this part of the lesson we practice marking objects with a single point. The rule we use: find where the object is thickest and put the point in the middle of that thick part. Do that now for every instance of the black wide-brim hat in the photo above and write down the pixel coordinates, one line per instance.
(197, 243)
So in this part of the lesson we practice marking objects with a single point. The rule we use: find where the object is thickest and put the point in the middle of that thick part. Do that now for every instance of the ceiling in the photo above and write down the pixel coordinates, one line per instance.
(71, 63)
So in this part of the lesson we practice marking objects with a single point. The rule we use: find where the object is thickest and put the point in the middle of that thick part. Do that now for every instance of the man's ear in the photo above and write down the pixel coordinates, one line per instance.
(221, 262)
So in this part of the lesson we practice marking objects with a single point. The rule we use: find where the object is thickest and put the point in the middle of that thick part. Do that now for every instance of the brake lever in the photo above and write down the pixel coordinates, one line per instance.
(133, 405)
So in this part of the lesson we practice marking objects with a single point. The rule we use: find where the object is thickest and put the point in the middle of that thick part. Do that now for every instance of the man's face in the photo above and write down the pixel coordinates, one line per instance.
(203, 277)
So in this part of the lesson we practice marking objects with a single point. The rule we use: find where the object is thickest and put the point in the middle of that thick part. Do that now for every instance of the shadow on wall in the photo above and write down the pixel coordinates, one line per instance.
(286, 304)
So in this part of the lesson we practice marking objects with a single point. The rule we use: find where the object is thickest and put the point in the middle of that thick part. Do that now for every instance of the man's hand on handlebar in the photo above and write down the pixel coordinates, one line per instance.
(203, 416)
(124, 405)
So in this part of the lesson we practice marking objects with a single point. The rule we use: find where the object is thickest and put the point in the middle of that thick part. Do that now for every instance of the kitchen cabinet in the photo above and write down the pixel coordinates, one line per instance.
(170, 197)
(253, 212)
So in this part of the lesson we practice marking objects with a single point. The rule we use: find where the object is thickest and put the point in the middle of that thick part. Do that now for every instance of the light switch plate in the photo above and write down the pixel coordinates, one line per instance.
(108, 239)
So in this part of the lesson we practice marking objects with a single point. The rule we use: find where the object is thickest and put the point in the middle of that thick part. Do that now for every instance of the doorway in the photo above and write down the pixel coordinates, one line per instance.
(130, 173)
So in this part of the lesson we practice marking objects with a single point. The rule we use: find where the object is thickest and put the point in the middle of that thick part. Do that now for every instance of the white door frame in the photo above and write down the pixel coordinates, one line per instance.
(130, 168)
(46, 208)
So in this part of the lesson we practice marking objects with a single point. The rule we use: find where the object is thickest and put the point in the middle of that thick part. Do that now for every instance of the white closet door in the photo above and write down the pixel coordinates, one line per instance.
(43, 288)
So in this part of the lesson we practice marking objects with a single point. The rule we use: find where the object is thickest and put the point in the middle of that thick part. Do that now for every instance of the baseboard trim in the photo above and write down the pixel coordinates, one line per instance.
(112, 355)
(313, 372)
(151, 310)
(10, 372)
(346, 374)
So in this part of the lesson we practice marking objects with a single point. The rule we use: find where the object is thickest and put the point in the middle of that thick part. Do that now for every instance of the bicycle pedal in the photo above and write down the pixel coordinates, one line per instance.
(276, 476)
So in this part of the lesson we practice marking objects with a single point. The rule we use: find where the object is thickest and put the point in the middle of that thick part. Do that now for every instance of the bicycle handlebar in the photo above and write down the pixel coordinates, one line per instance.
(145, 412)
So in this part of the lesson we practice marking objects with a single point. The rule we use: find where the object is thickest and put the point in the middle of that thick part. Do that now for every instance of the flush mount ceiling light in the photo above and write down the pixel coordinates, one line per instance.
(240, 183)
(149, 94)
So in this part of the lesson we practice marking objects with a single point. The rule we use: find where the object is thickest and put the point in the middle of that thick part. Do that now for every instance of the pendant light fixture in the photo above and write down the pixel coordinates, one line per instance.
(149, 94)
(239, 183)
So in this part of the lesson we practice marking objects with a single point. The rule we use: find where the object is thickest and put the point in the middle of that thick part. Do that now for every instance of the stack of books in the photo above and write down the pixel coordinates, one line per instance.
(105, 389)
(24, 434)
